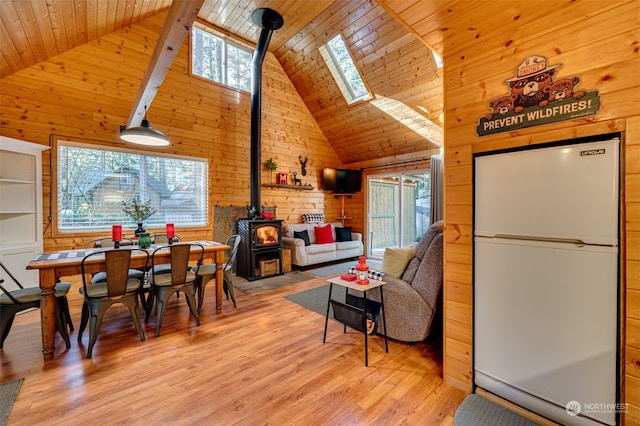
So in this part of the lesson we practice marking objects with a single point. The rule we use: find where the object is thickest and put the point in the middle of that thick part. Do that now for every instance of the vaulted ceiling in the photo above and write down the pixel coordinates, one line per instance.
(404, 117)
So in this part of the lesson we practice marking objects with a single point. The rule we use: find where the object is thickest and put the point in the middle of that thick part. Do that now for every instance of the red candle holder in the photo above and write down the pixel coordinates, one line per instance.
(116, 235)
(362, 271)
(170, 232)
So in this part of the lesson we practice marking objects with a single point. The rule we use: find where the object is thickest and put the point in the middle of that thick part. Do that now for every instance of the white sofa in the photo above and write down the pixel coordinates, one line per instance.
(314, 253)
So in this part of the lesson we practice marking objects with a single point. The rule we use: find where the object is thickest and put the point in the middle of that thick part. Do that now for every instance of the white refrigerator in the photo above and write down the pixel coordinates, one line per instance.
(546, 279)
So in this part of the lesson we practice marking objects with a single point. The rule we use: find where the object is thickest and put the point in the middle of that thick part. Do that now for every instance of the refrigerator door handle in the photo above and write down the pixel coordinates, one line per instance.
(573, 241)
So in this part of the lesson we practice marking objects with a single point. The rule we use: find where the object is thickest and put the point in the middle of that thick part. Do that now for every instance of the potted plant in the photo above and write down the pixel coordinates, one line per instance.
(139, 212)
(272, 167)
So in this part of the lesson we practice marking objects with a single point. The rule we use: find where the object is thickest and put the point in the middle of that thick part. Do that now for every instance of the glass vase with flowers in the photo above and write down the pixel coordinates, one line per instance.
(139, 212)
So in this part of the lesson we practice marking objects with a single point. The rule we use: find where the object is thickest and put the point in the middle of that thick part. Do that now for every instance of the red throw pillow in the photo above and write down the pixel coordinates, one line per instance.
(323, 234)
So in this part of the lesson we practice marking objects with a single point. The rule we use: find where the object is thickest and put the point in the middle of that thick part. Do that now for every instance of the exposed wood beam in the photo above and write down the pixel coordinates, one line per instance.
(181, 16)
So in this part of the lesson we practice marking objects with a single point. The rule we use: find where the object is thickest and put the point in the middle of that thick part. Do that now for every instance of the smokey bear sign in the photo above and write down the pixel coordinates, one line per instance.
(537, 97)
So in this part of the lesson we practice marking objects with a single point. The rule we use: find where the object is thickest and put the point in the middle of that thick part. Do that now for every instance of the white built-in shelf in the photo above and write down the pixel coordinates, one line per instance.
(20, 208)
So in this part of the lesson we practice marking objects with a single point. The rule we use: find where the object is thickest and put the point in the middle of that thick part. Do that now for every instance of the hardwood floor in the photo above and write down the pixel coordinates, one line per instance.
(262, 363)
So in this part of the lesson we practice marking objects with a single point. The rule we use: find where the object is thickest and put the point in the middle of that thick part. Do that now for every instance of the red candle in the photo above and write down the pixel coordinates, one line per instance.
(170, 230)
(116, 233)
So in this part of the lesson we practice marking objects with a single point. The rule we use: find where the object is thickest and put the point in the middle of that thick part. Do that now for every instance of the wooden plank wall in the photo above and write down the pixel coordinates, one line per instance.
(86, 93)
(53, 29)
(397, 68)
(632, 265)
(482, 44)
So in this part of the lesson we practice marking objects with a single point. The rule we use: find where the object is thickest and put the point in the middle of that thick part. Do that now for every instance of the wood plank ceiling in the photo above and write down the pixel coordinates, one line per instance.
(402, 121)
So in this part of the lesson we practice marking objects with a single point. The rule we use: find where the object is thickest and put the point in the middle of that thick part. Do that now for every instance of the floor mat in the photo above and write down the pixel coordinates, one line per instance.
(478, 411)
(265, 284)
(316, 299)
(8, 394)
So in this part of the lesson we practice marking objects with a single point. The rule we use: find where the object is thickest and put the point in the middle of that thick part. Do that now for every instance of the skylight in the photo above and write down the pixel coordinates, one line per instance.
(438, 59)
(344, 70)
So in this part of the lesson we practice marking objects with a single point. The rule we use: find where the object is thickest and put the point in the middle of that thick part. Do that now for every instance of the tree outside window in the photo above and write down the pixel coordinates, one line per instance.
(216, 59)
(94, 183)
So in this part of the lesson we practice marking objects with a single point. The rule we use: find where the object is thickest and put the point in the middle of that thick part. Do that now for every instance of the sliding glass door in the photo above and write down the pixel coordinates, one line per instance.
(398, 207)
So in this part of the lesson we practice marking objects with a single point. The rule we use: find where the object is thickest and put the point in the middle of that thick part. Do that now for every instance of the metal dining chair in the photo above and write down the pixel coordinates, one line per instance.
(181, 278)
(21, 299)
(162, 239)
(159, 239)
(207, 273)
(118, 287)
(107, 242)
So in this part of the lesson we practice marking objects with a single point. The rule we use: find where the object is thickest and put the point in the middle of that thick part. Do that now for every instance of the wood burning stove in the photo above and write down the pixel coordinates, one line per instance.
(260, 250)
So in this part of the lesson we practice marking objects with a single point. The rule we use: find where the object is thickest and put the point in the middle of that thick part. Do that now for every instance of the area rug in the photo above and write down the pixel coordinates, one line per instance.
(316, 298)
(258, 286)
(8, 394)
(475, 410)
(340, 268)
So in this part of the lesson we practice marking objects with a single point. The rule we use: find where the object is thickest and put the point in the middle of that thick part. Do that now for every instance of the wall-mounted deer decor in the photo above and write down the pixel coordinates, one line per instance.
(303, 164)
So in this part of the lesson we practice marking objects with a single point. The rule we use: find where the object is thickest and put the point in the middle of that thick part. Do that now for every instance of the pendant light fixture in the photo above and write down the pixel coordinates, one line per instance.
(144, 135)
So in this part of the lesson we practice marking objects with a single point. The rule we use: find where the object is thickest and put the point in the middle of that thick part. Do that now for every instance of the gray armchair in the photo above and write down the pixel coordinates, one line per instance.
(411, 302)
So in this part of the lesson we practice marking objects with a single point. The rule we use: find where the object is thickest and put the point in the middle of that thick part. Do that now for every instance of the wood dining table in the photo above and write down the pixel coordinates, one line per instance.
(53, 265)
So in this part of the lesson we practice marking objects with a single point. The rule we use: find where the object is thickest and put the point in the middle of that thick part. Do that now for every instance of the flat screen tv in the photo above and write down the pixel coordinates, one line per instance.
(341, 181)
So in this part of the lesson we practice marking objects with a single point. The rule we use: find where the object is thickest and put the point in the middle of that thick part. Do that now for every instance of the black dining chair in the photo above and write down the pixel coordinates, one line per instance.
(207, 273)
(21, 299)
(181, 278)
(118, 287)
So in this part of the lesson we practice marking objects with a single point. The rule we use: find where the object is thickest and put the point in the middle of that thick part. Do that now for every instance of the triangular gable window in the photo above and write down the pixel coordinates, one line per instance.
(337, 57)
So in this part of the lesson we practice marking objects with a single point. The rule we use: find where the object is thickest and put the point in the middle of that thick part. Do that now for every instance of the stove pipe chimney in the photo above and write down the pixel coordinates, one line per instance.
(269, 20)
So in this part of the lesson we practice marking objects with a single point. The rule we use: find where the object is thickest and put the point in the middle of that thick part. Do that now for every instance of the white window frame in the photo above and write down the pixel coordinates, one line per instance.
(169, 211)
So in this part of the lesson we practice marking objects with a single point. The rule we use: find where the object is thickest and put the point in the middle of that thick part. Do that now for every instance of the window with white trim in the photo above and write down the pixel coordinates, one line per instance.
(93, 183)
(216, 59)
(344, 71)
